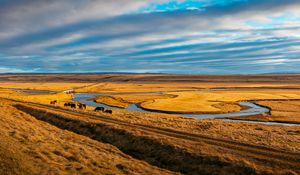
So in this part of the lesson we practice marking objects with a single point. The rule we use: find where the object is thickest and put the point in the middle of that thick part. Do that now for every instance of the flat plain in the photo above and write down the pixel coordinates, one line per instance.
(54, 139)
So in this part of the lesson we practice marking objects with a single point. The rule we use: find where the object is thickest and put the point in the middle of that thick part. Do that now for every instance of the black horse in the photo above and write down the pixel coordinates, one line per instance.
(99, 109)
(108, 111)
(69, 104)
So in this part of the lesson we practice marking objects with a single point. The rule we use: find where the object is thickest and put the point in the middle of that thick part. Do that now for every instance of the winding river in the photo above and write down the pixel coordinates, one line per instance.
(252, 109)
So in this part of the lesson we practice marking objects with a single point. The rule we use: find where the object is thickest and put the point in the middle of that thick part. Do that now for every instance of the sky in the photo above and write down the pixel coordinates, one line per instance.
(150, 36)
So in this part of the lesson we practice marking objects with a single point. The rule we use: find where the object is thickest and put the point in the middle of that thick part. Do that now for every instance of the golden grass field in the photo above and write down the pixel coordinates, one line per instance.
(281, 111)
(197, 102)
(29, 146)
(215, 102)
(51, 86)
(110, 87)
(38, 98)
(39, 138)
(161, 120)
(112, 101)
(123, 100)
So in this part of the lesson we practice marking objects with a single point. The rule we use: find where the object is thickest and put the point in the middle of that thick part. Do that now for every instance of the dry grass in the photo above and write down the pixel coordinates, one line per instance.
(51, 86)
(111, 101)
(283, 106)
(172, 153)
(136, 87)
(139, 98)
(189, 102)
(268, 80)
(123, 100)
(280, 137)
(169, 86)
(43, 98)
(40, 148)
(281, 111)
(214, 102)
(30, 146)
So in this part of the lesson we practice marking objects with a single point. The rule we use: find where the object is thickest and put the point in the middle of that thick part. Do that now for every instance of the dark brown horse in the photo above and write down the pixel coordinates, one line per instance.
(99, 109)
(81, 105)
(70, 104)
(108, 111)
(73, 105)
(53, 102)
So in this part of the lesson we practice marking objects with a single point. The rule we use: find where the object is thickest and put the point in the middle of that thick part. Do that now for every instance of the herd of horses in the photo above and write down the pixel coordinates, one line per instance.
(82, 106)
(73, 105)
(103, 110)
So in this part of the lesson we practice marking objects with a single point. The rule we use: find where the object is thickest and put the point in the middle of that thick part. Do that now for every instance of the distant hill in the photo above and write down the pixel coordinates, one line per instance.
(283, 73)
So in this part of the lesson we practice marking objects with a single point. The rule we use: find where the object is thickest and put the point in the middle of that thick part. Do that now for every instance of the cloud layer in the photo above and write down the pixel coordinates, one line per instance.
(162, 36)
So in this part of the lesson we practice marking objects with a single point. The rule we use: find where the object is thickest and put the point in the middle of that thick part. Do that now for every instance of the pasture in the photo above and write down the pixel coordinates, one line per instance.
(48, 129)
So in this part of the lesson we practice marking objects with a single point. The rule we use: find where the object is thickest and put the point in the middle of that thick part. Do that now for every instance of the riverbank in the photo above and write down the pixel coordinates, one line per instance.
(250, 109)
(282, 111)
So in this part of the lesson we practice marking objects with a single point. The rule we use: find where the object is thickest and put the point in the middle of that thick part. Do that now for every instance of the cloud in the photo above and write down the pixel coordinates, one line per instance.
(213, 37)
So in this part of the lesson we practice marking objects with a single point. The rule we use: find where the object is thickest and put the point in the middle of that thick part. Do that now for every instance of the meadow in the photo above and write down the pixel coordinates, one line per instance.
(286, 111)
(54, 139)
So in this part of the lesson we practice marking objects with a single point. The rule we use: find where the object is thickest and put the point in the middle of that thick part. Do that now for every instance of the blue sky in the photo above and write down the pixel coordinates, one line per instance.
(157, 36)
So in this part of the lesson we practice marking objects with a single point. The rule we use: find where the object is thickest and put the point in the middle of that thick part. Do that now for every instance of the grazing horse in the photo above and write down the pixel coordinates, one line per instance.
(99, 109)
(53, 102)
(108, 111)
(70, 104)
(81, 105)
(73, 105)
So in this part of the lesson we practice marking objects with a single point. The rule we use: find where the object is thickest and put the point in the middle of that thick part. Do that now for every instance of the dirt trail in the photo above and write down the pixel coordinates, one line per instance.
(263, 155)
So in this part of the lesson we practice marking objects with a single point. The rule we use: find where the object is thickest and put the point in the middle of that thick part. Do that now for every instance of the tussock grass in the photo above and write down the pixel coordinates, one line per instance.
(30, 146)
(145, 148)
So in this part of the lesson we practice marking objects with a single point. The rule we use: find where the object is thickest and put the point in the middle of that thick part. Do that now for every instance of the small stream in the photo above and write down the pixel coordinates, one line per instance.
(252, 109)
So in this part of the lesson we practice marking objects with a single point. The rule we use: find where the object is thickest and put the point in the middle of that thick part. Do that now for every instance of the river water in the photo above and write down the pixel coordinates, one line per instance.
(252, 109)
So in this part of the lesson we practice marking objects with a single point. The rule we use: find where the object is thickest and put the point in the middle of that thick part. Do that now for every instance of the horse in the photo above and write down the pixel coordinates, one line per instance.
(70, 104)
(73, 105)
(53, 102)
(108, 111)
(81, 106)
(99, 109)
